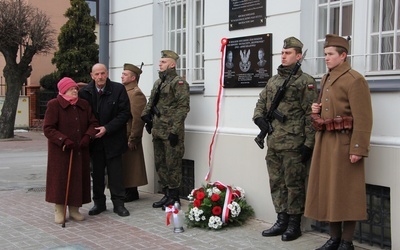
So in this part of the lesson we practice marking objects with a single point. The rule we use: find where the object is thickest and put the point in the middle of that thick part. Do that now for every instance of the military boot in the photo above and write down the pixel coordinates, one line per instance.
(346, 245)
(279, 227)
(172, 197)
(59, 213)
(293, 230)
(163, 200)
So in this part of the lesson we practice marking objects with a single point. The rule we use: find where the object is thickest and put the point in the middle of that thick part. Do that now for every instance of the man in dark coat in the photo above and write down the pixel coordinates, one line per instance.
(110, 104)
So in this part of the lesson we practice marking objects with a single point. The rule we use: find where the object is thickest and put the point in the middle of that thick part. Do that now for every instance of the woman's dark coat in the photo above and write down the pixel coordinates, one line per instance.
(63, 120)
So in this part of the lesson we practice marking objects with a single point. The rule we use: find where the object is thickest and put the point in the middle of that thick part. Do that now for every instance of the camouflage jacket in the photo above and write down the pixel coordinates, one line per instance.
(301, 92)
(173, 105)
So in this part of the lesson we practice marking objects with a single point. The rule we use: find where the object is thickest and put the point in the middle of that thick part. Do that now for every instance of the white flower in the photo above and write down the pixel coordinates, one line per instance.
(234, 208)
(215, 222)
(241, 190)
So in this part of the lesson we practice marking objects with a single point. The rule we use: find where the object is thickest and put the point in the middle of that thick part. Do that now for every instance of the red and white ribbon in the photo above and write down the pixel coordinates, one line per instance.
(224, 42)
(170, 210)
(228, 200)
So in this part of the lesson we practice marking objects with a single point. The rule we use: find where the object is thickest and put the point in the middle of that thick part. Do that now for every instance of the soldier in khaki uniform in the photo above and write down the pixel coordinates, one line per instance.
(133, 164)
(165, 115)
(336, 187)
(290, 144)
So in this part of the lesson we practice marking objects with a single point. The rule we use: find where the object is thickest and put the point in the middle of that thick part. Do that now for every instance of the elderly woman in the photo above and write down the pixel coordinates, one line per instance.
(69, 125)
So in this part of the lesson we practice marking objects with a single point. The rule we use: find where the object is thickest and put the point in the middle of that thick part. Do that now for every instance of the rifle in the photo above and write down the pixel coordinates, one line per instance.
(138, 78)
(273, 112)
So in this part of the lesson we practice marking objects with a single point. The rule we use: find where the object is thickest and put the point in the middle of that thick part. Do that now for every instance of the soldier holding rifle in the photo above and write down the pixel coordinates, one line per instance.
(165, 115)
(283, 112)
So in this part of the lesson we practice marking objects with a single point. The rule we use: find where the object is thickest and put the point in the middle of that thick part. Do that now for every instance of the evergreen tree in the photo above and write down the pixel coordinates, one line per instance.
(77, 48)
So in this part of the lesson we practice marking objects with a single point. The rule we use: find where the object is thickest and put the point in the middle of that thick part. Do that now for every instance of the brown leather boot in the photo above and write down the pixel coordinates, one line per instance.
(59, 213)
(74, 213)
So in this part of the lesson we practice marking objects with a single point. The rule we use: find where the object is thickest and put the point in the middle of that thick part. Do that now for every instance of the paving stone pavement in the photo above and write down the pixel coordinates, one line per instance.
(27, 221)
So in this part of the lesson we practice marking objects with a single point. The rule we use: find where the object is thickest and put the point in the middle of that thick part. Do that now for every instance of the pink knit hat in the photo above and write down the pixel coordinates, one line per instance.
(65, 84)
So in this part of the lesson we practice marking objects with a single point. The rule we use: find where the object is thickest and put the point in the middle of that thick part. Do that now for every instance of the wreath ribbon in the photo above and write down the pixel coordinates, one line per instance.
(227, 201)
(224, 42)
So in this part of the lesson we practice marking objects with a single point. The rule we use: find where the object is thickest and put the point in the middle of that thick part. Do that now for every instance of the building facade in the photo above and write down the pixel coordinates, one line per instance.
(140, 29)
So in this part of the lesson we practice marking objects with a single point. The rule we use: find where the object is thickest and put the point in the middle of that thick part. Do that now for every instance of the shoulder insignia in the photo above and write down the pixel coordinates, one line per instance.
(180, 82)
(310, 86)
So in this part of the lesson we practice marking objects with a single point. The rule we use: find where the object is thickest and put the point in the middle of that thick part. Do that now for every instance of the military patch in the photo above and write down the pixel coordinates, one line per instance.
(310, 86)
(180, 82)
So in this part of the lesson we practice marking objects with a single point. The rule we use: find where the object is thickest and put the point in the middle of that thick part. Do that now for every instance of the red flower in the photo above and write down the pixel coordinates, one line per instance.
(200, 195)
(197, 203)
(217, 210)
(220, 187)
(215, 197)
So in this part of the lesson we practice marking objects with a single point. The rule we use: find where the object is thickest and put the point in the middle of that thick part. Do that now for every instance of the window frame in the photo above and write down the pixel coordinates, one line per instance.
(190, 45)
(360, 43)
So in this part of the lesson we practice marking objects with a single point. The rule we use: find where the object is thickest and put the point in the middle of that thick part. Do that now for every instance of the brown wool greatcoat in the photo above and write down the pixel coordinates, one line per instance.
(63, 120)
(336, 187)
(133, 164)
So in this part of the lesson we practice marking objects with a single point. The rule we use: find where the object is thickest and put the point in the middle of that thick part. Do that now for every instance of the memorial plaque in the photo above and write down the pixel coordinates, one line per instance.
(246, 14)
(248, 61)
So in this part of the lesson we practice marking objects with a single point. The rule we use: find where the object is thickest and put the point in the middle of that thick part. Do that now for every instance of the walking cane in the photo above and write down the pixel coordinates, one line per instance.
(68, 179)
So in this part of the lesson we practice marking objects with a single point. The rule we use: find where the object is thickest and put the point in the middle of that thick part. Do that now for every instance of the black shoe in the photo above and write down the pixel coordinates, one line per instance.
(170, 202)
(97, 209)
(161, 202)
(121, 211)
(279, 227)
(331, 244)
(346, 245)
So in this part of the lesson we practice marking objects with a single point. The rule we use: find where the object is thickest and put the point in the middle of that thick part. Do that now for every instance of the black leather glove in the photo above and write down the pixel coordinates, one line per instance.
(306, 153)
(173, 139)
(147, 118)
(148, 127)
(261, 123)
(68, 144)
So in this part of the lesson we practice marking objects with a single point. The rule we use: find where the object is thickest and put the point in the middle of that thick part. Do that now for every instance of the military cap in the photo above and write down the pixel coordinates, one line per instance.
(169, 54)
(292, 42)
(133, 68)
(336, 41)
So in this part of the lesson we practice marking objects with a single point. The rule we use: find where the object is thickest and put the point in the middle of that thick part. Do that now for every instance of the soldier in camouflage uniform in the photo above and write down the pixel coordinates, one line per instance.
(165, 115)
(290, 144)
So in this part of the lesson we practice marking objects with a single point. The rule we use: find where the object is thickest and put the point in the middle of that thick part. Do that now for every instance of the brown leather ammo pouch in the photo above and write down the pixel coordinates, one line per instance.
(317, 122)
(329, 124)
(338, 123)
(347, 122)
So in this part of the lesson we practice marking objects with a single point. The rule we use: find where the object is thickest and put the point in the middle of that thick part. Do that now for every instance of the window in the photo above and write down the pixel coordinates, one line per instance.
(184, 21)
(384, 36)
(335, 17)
(94, 8)
(374, 29)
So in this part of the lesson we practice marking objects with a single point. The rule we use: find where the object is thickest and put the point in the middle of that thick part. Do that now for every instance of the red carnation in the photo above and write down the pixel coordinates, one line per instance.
(200, 195)
(217, 210)
(215, 197)
(221, 187)
(196, 203)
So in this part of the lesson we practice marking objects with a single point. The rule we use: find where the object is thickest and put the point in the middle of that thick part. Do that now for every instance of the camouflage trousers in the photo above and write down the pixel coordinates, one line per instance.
(287, 178)
(168, 162)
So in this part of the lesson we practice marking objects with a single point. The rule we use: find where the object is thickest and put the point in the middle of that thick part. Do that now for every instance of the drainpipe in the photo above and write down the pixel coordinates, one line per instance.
(104, 22)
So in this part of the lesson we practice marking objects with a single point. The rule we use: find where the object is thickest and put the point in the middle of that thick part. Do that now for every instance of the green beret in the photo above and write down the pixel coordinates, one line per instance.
(169, 54)
(292, 42)
(133, 68)
(336, 41)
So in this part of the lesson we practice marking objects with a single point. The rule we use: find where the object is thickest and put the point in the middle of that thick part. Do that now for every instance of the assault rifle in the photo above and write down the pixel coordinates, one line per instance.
(273, 113)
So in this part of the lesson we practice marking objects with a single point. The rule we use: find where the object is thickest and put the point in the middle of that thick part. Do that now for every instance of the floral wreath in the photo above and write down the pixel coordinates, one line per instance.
(216, 205)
